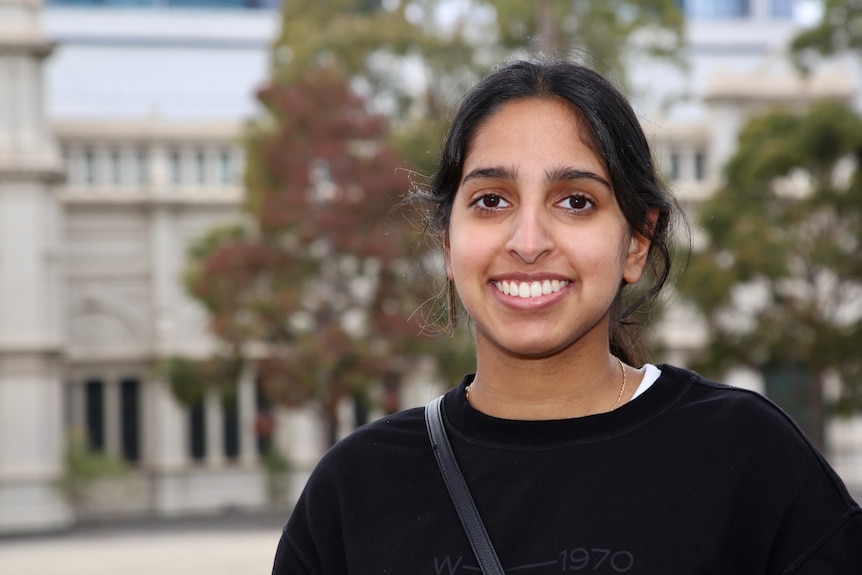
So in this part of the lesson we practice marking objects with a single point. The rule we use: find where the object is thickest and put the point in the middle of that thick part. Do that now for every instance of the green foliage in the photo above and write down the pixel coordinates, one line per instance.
(605, 30)
(216, 238)
(781, 279)
(191, 379)
(82, 467)
(276, 466)
(388, 51)
(839, 30)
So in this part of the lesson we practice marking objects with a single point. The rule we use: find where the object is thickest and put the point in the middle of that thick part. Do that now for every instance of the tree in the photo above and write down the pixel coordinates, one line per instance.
(406, 65)
(780, 278)
(606, 31)
(839, 30)
(415, 57)
(313, 288)
(313, 284)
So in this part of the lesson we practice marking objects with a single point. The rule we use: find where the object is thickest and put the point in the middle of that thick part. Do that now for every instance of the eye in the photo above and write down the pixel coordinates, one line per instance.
(490, 202)
(577, 203)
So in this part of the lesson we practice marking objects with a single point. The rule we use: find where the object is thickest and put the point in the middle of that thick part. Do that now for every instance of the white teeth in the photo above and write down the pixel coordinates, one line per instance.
(530, 289)
(535, 289)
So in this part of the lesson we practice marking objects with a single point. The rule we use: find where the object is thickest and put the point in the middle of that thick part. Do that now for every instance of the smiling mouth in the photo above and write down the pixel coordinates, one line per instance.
(530, 289)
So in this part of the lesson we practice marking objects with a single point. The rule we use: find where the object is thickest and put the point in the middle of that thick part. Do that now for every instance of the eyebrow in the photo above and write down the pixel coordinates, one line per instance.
(560, 174)
(495, 173)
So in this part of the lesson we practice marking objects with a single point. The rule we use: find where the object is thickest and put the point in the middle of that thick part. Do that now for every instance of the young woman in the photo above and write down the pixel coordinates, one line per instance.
(550, 211)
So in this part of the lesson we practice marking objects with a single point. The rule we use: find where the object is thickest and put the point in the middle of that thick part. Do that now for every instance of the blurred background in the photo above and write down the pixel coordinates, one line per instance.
(207, 274)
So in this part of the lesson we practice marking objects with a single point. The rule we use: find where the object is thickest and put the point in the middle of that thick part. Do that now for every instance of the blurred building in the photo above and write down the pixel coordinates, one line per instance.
(119, 146)
(120, 128)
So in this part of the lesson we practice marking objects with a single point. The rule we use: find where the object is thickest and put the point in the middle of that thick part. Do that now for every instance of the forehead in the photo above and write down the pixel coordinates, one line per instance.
(540, 130)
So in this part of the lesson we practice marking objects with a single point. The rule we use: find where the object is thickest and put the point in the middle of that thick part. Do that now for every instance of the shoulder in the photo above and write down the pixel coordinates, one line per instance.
(376, 445)
(750, 431)
(390, 431)
(725, 404)
(740, 423)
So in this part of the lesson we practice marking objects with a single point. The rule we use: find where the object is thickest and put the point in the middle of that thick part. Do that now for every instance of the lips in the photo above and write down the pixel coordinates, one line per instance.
(530, 289)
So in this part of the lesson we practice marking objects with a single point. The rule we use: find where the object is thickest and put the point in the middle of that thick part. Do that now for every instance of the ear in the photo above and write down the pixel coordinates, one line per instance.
(637, 251)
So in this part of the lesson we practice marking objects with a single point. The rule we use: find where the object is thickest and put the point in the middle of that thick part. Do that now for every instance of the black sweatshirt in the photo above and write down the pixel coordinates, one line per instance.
(691, 477)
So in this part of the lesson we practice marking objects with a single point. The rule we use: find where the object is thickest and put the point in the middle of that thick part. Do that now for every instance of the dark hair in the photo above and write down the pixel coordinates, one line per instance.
(615, 135)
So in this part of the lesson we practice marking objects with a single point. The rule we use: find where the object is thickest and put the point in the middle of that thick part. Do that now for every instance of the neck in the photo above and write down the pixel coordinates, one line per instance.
(559, 387)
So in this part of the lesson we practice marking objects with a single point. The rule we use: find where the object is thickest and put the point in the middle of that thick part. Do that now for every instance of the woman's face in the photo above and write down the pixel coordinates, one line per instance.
(537, 245)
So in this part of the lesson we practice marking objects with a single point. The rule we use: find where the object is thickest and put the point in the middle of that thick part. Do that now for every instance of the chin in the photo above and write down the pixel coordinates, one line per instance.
(531, 350)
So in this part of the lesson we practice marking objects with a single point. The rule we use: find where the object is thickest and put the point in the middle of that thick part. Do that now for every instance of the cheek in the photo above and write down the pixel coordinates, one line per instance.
(458, 257)
(598, 255)
(468, 254)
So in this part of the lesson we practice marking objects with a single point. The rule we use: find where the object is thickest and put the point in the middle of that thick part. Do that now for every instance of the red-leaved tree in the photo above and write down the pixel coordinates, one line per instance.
(313, 290)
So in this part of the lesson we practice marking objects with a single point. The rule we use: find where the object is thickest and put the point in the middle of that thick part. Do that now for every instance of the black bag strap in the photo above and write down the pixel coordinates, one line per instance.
(459, 492)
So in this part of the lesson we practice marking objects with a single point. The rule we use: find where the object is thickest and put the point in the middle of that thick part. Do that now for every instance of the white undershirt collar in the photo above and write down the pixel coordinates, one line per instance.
(651, 374)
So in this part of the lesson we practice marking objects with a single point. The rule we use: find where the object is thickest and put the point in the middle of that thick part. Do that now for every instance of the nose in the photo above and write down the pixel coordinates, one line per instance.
(530, 236)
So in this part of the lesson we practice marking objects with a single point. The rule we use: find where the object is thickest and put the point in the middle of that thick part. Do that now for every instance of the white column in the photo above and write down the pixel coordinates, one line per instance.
(31, 390)
(76, 408)
(165, 428)
(214, 430)
(166, 271)
(247, 402)
(159, 174)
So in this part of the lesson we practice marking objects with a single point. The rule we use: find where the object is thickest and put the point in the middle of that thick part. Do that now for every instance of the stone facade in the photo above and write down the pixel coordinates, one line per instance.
(31, 334)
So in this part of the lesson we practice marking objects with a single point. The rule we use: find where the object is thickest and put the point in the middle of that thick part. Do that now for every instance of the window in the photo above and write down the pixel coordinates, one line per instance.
(225, 167)
(94, 414)
(675, 171)
(197, 431)
(264, 422)
(67, 162)
(89, 166)
(201, 167)
(142, 167)
(231, 428)
(116, 166)
(699, 166)
(130, 441)
(781, 9)
(176, 161)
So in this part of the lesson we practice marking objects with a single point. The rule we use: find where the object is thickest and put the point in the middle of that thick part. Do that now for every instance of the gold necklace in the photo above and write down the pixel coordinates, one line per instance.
(623, 388)
(616, 403)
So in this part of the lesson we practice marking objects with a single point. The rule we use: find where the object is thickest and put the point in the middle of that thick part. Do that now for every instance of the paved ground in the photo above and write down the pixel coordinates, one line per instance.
(214, 546)
(226, 545)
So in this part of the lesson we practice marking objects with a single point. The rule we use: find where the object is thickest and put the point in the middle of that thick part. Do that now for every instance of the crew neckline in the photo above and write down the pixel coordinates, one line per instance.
(476, 427)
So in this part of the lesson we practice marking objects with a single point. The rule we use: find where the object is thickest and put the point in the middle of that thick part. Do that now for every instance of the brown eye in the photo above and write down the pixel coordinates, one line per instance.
(577, 203)
(490, 202)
